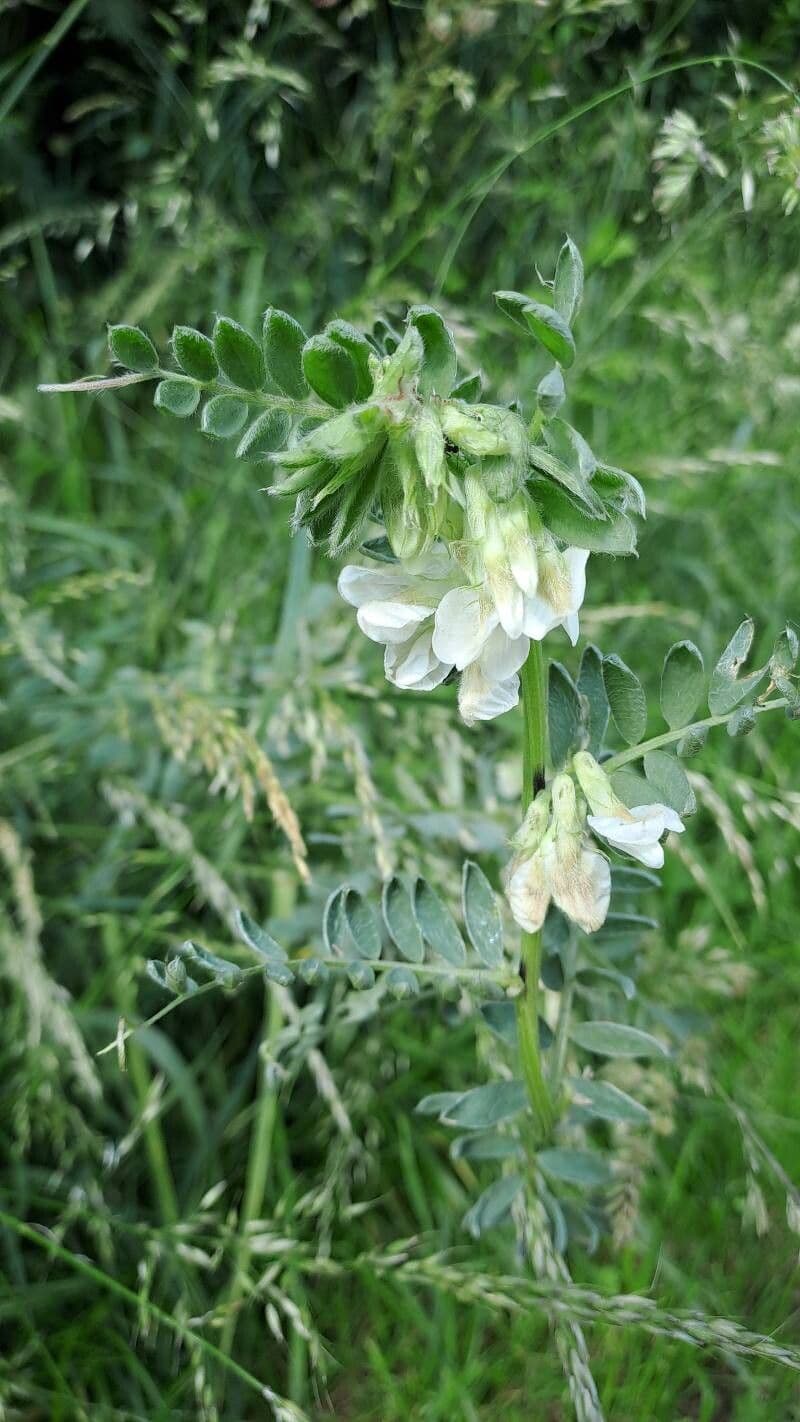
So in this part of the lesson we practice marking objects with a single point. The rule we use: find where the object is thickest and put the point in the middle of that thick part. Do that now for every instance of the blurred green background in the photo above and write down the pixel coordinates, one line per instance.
(166, 651)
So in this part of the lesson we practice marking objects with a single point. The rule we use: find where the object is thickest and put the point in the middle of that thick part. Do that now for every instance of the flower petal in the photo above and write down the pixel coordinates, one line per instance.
(572, 627)
(539, 618)
(360, 585)
(414, 665)
(576, 560)
(524, 564)
(528, 891)
(672, 820)
(508, 601)
(482, 700)
(503, 655)
(637, 838)
(582, 889)
(464, 619)
(642, 829)
(435, 565)
(391, 621)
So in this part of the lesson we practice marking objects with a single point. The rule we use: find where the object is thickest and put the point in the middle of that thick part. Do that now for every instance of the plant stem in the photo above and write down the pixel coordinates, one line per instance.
(534, 707)
(668, 737)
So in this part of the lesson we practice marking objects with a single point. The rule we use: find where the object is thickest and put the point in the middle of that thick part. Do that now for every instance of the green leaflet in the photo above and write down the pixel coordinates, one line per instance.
(482, 915)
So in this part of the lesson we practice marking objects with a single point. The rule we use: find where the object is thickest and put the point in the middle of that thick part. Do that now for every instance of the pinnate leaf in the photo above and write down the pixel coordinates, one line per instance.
(487, 1105)
(177, 397)
(223, 416)
(563, 713)
(584, 1168)
(438, 927)
(330, 371)
(493, 1206)
(439, 362)
(282, 340)
(727, 687)
(400, 920)
(568, 283)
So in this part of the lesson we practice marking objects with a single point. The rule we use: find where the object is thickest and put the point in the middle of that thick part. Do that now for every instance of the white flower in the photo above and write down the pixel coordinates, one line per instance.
(560, 592)
(636, 831)
(505, 547)
(480, 699)
(431, 619)
(395, 606)
(467, 634)
(554, 861)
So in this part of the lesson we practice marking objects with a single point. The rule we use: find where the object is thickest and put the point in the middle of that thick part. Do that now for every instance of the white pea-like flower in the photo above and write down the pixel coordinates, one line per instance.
(636, 831)
(395, 607)
(505, 550)
(560, 591)
(556, 863)
(432, 620)
(405, 607)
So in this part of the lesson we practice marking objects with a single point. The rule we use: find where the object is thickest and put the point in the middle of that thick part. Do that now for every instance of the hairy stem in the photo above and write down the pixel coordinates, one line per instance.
(534, 750)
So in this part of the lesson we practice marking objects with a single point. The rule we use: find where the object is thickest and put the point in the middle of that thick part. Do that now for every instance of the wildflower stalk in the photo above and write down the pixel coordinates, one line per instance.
(668, 738)
(534, 709)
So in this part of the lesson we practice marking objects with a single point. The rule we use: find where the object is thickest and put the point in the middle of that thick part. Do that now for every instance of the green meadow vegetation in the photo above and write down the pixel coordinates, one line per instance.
(223, 1205)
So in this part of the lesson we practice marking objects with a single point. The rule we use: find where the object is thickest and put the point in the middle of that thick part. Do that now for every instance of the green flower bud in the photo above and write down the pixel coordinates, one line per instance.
(595, 785)
(429, 448)
(530, 835)
(550, 392)
(404, 499)
(400, 370)
(467, 426)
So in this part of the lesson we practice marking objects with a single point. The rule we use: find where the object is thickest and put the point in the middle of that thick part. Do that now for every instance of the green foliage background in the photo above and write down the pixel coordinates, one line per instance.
(161, 634)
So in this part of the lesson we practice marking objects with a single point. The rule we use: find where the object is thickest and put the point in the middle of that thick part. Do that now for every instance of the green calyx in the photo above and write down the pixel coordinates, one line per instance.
(375, 426)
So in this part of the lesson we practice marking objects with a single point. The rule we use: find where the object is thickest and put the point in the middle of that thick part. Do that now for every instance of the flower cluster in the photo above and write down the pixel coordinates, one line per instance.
(489, 517)
(432, 621)
(556, 857)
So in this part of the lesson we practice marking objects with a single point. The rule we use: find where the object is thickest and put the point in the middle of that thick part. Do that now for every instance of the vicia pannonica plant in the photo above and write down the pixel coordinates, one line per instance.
(470, 531)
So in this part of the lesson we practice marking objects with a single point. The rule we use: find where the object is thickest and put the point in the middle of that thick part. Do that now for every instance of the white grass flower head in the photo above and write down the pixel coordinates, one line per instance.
(560, 590)
(636, 831)
(555, 862)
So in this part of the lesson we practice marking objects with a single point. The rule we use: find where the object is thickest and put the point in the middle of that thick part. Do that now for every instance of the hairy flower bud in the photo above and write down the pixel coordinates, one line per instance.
(596, 785)
(469, 428)
(429, 448)
(502, 539)
(554, 861)
(399, 371)
(345, 436)
(636, 831)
